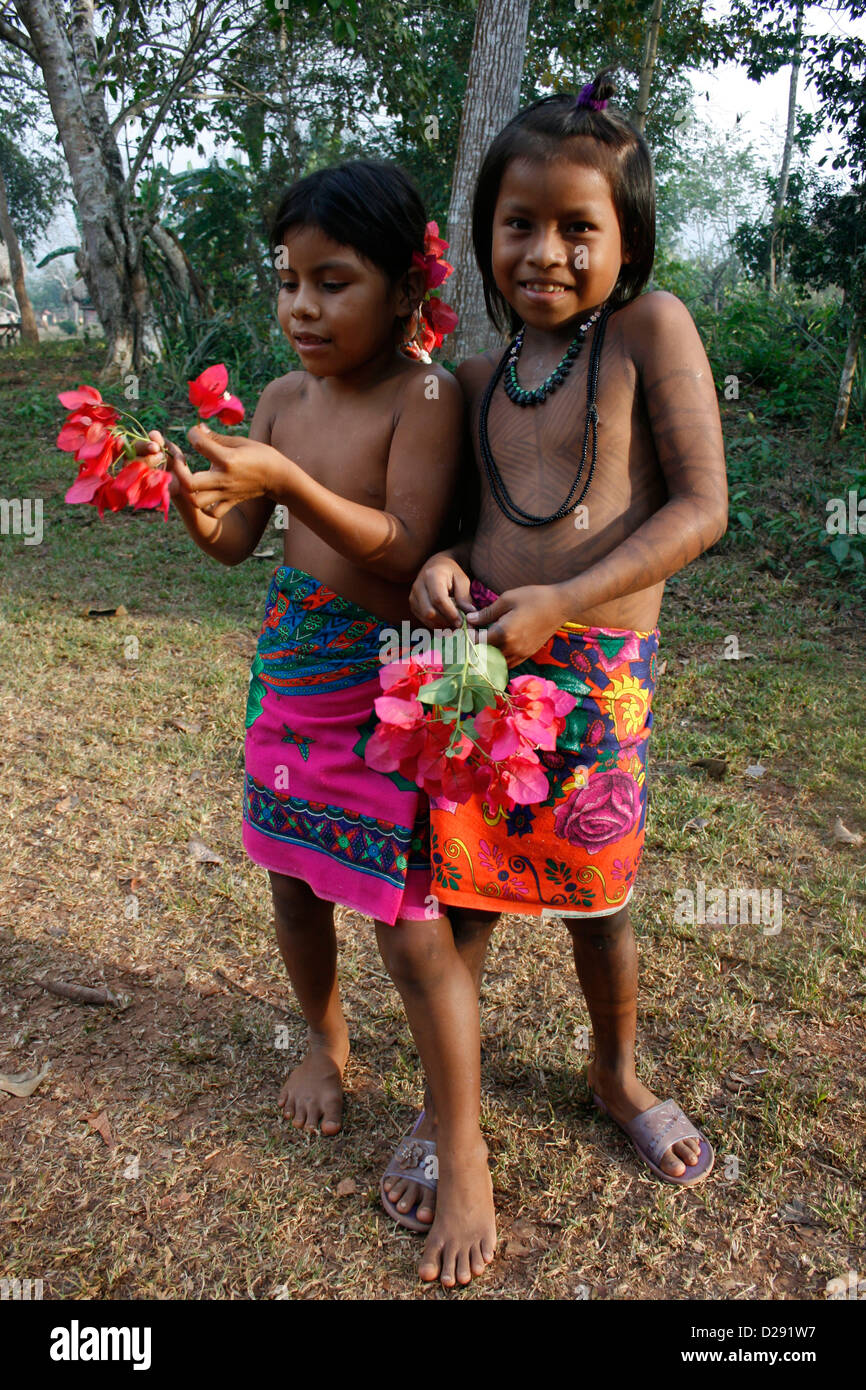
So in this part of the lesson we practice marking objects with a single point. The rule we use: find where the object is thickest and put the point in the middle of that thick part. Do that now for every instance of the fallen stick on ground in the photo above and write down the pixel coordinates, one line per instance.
(79, 994)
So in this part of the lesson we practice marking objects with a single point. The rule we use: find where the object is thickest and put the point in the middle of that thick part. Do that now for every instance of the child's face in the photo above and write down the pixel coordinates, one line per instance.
(557, 246)
(337, 310)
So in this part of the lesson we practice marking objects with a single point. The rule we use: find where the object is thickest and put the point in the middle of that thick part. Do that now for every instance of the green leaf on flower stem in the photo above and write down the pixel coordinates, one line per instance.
(467, 727)
(466, 700)
(440, 692)
(492, 664)
(482, 692)
(448, 716)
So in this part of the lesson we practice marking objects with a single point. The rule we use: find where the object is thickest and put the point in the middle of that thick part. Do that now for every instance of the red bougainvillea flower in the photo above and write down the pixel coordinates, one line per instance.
(209, 394)
(440, 318)
(391, 747)
(403, 679)
(436, 269)
(84, 396)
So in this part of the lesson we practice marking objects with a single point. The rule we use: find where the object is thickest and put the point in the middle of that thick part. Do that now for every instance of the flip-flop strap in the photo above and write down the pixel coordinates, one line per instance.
(412, 1160)
(659, 1127)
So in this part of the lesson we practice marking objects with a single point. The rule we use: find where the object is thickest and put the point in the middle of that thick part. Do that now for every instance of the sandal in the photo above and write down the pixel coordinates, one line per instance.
(655, 1130)
(414, 1159)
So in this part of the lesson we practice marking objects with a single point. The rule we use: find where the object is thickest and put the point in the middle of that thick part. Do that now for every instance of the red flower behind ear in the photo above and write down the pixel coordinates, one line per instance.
(209, 393)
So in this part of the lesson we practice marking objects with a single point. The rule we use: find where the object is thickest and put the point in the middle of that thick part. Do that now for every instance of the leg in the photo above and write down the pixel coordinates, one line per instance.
(441, 1004)
(472, 931)
(312, 1098)
(605, 956)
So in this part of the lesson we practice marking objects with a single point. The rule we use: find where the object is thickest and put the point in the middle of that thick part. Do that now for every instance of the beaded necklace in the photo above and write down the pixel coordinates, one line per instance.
(494, 478)
(517, 393)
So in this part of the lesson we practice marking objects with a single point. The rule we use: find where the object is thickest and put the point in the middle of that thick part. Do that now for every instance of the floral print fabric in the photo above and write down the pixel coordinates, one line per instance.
(578, 851)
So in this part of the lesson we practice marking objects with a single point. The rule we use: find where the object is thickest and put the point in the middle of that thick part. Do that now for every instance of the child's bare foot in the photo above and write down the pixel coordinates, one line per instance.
(312, 1098)
(626, 1098)
(405, 1192)
(462, 1239)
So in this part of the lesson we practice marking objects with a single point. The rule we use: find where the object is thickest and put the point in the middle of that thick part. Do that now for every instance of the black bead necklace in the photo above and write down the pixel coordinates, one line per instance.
(517, 393)
(494, 478)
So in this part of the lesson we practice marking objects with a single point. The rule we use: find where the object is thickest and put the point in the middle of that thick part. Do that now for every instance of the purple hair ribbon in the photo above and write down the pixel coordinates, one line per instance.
(585, 98)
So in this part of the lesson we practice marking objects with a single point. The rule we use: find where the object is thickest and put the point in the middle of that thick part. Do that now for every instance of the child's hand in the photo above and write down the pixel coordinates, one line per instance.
(521, 620)
(430, 598)
(161, 454)
(241, 469)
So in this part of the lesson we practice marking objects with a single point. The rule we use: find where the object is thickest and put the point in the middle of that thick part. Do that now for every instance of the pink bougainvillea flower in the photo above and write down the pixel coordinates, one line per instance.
(407, 714)
(497, 732)
(209, 394)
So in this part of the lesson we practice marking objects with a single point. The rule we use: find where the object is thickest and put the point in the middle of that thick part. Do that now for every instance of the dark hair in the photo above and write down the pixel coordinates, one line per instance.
(371, 205)
(557, 127)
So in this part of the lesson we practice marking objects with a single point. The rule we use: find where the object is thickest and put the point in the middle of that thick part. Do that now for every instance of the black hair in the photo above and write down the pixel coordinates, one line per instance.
(371, 205)
(556, 127)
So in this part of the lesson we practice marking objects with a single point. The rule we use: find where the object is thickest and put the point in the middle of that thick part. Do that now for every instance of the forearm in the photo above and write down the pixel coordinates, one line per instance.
(226, 539)
(373, 539)
(668, 541)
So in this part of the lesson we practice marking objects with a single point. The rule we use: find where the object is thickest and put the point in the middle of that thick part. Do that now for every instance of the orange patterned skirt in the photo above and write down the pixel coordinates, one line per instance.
(576, 853)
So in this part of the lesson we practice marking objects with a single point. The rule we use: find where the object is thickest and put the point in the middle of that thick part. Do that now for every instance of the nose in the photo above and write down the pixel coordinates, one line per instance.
(303, 304)
(547, 248)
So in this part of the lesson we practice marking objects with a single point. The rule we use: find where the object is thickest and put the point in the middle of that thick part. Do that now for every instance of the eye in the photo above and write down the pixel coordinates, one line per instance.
(333, 285)
(287, 285)
(579, 227)
(518, 223)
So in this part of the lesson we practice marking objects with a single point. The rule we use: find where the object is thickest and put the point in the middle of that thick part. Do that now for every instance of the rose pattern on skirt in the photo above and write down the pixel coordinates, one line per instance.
(600, 813)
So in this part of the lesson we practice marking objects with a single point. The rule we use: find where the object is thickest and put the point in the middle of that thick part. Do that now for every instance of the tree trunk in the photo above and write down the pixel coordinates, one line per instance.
(111, 260)
(491, 99)
(29, 331)
(648, 66)
(782, 190)
(840, 418)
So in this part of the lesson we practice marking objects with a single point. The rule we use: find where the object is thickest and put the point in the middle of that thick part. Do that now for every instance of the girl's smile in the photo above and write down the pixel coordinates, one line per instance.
(557, 247)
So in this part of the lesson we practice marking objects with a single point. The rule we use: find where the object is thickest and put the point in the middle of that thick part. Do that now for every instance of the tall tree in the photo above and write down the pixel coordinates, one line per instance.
(491, 99)
(149, 73)
(782, 189)
(647, 66)
(29, 331)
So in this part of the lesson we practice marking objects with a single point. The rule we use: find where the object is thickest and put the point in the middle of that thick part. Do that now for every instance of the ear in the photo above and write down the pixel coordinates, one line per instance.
(411, 291)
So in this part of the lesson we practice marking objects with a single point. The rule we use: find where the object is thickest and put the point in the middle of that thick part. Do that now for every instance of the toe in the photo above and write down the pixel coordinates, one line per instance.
(476, 1260)
(687, 1150)
(426, 1207)
(488, 1249)
(463, 1268)
(409, 1198)
(448, 1276)
(299, 1118)
(332, 1118)
(672, 1165)
(431, 1262)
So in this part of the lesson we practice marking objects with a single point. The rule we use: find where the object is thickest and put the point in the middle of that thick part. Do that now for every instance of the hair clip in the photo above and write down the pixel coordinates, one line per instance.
(586, 98)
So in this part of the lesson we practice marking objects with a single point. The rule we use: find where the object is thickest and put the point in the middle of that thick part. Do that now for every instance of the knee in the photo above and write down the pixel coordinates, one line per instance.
(471, 928)
(411, 957)
(601, 933)
(292, 897)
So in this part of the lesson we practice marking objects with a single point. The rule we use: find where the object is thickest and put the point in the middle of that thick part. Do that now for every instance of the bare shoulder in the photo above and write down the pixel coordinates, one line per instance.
(283, 388)
(426, 381)
(474, 374)
(653, 316)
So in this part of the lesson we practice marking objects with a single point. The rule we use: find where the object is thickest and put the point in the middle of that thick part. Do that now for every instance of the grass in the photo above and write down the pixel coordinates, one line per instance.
(202, 1191)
